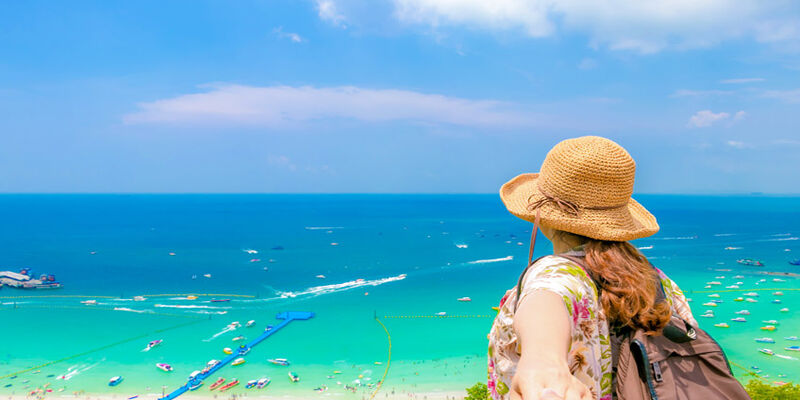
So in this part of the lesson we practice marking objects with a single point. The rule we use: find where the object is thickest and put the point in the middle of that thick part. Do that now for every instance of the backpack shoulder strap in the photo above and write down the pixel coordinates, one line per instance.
(522, 278)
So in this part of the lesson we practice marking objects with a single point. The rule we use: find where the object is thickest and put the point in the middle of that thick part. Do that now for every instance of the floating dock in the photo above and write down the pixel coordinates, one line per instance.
(286, 317)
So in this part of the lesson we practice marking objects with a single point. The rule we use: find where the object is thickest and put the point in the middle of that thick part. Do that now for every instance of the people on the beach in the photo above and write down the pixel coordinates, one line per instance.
(550, 339)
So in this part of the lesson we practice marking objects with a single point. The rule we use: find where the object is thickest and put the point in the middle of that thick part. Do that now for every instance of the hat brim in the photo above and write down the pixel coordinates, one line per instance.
(628, 222)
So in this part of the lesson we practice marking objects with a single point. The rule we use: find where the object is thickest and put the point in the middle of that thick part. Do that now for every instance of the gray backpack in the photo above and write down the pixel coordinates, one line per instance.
(684, 363)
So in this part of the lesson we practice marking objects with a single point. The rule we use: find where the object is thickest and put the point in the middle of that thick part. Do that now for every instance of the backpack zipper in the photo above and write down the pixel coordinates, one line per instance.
(646, 363)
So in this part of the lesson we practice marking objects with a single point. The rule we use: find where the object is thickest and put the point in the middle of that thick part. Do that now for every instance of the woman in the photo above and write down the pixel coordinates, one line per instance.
(552, 340)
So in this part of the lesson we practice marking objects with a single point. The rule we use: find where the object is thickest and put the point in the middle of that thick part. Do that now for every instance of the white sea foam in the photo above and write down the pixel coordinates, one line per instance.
(783, 239)
(491, 260)
(322, 228)
(782, 234)
(132, 310)
(338, 287)
(189, 306)
(77, 369)
(724, 234)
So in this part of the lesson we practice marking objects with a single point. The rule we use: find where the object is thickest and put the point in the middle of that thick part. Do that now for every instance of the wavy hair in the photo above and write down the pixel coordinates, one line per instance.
(627, 284)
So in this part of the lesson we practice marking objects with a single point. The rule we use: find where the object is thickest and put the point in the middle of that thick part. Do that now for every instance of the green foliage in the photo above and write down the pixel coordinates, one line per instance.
(759, 390)
(478, 391)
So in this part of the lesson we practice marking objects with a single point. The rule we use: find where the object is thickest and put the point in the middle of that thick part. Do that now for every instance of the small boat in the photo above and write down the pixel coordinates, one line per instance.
(115, 381)
(738, 319)
(152, 344)
(784, 310)
(739, 299)
(251, 251)
(732, 248)
(738, 277)
(254, 260)
(742, 312)
(732, 287)
(164, 367)
(714, 283)
(714, 295)
(229, 385)
(464, 299)
(751, 300)
(243, 350)
(320, 276)
(294, 377)
(790, 338)
(250, 384)
(279, 361)
(795, 262)
(792, 348)
(751, 294)
(708, 315)
(751, 262)
(171, 253)
(89, 302)
(268, 328)
(771, 322)
(207, 275)
(139, 298)
(238, 361)
(227, 350)
(262, 383)
(191, 297)
(250, 323)
(778, 280)
(710, 304)
(441, 314)
(722, 325)
(776, 301)
(217, 384)
(767, 352)
(220, 300)
(778, 294)
(765, 340)
(238, 338)
(194, 375)
(195, 385)
(768, 328)
(321, 388)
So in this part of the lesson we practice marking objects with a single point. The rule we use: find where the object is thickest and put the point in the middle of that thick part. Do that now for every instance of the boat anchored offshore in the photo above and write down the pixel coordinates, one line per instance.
(216, 384)
(238, 361)
(751, 262)
(767, 352)
(722, 325)
(115, 381)
(250, 384)
(164, 367)
(792, 348)
(294, 377)
(152, 344)
(279, 361)
(229, 385)
(262, 383)
(250, 323)
(765, 340)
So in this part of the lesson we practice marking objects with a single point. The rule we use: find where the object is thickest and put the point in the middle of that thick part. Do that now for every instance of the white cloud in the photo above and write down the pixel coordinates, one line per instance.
(640, 26)
(587, 64)
(742, 80)
(700, 93)
(789, 96)
(288, 35)
(282, 106)
(282, 162)
(737, 144)
(706, 118)
(739, 115)
(327, 11)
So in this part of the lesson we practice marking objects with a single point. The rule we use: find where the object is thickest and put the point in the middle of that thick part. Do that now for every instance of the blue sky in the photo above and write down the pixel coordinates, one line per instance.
(393, 95)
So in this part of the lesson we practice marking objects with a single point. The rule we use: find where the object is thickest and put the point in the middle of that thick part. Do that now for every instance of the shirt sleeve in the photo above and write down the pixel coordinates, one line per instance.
(677, 298)
(565, 279)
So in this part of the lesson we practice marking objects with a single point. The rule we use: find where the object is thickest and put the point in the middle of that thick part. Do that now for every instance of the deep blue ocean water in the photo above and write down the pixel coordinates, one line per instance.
(394, 256)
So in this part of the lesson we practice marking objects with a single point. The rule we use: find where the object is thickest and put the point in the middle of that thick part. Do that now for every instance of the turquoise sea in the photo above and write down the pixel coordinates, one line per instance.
(348, 258)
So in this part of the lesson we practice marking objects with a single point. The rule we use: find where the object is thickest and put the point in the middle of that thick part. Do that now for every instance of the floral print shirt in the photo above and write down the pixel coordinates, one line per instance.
(589, 356)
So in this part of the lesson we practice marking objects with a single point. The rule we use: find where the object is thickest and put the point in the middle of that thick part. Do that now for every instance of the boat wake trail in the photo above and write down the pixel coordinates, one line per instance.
(491, 260)
(192, 306)
(339, 287)
(783, 239)
(77, 369)
(323, 228)
(132, 310)
(229, 328)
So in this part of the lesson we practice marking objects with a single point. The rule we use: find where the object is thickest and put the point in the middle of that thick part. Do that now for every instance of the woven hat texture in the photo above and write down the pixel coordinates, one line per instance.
(584, 187)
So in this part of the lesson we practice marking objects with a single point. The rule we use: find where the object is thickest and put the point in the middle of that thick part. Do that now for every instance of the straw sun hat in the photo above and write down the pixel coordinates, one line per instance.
(584, 187)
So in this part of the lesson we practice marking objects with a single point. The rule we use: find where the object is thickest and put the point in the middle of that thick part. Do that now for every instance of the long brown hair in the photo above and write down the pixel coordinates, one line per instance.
(628, 285)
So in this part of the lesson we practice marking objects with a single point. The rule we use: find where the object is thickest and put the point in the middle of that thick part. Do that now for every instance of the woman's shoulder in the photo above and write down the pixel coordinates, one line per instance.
(554, 272)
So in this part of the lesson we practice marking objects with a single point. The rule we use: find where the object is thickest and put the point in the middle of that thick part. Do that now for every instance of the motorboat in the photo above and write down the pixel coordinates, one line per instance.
(89, 302)
(751, 300)
(216, 384)
(790, 338)
(238, 361)
(739, 299)
(243, 350)
(152, 344)
(115, 381)
(710, 304)
(776, 301)
(784, 310)
(742, 312)
(238, 338)
(768, 328)
(771, 322)
(227, 350)
(250, 323)
(715, 295)
(229, 385)
(262, 383)
(767, 352)
(164, 367)
(139, 298)
(792, 348)
(751, 262)
(194, 375)
(751, 294)
(279, 361)
(464, 299)
(722, 325)
(250, 384)
(294, 377)
(195, 385)
(220, 300)
(738, 319)
(191, 297)
(765, 340)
